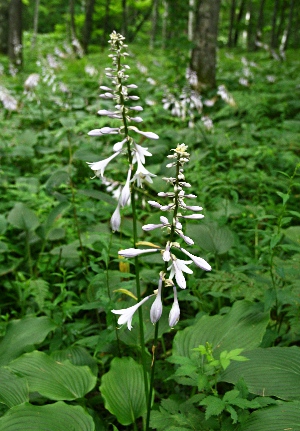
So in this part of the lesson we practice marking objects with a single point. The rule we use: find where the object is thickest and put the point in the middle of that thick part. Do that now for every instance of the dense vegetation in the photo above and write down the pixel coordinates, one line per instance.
(60, 271)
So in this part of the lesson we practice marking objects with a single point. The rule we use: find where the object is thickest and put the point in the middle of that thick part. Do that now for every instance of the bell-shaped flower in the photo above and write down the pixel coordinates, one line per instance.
(157, 307)
(142, 152)
(142, 174)
(104, 131)
(192, 216)
(115, 220)
(136, 108)
(125, 194)
(185, 238)
(149, 135)
(155, 204)
(119, 145)
(175, 310)
(166, 254)
(177, 268)
(133, 252)
(99, 167)
(201, 263)
(126, 314)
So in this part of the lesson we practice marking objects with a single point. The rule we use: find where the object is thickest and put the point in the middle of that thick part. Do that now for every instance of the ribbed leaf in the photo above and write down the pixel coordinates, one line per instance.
(243, 327)
(23, 217)
(54, 417)
(13, 389)
(54, 380)
(274, 371)
(211, 237)
(123, 390)
(77, 355)
(286, 416)
(21, 335)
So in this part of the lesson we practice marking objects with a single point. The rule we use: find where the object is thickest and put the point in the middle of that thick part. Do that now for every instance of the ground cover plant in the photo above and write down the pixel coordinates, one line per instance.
(223, 353)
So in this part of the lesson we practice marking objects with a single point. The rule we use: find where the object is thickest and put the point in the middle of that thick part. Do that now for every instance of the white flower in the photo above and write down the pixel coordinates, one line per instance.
(142, 152)
(104, 131)
(197, 260)
(154, 204)
(125, 195)
(177, 268)
(149, 135)
(100, 166)
(185, 238)
(166, 254)
(192, 216)
(133, 252)
(148, 227)
(119, 145)
(175, 310)
(126, 314)
(142, 174)
(115, 220)
(156, 308)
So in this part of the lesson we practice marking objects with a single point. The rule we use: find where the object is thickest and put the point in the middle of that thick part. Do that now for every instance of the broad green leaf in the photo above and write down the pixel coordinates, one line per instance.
(22, 335)
(273, 371)
(211, 237)
(77, 355)
(3, 224)
(96, 194)
(13, 389)
(283, 417)
(123, 390)
(54, 417)
(23, 217)
(293, 233)
(243, 327)
(53, 379)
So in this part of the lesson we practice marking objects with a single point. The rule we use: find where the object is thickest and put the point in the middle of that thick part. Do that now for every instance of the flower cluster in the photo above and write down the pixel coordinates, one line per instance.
(126, 113)
(176, 266)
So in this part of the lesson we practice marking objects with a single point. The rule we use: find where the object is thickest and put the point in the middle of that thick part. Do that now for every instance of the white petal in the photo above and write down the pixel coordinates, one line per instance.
(133, 252)
(115, 220)
(119, 145)
(175, 311)
(131, 86)
(105, 88)
(125, 195)
(154, 204)
(157, 307)
(201, 263)
(136, 108)
(148, 227)
(104, 112)
(136, 119)
(126, 314)
(193, 216)
(164, 220)
(149, 135)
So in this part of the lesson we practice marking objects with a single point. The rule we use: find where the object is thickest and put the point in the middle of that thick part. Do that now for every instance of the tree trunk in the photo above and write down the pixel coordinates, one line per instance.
(191, 20)
(88, 24)
(203, 59)
(124, 18)
(106, 26)
(4, 7)
(15, 48)
(72, 20)
(35, 23)
(280, 27)
(238, 22)
(231, 23)
(165, 23)
(273, 43)
(288, 29)
(251, 27)
(260, 23)
(155, 15)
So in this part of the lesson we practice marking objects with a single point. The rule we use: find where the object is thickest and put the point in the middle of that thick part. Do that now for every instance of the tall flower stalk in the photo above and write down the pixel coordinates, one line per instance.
(173, 265)
(120, 93)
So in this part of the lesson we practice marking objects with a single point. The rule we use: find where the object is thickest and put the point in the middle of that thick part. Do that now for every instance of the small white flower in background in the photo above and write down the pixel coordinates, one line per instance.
(90, 70)
(32, 81)
(115, 220)
(9, 102)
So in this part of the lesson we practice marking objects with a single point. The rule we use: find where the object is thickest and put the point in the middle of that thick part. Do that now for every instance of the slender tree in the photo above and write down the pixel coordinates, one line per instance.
(274, 43)
(203, 58)
(231, 23)
(288, 28)
(191, 20)
(4, 26)
(88, 24)
(260, 22)
(155, 16)
(15, 47)
(35, 23)
(124, 18)
(238, 22)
